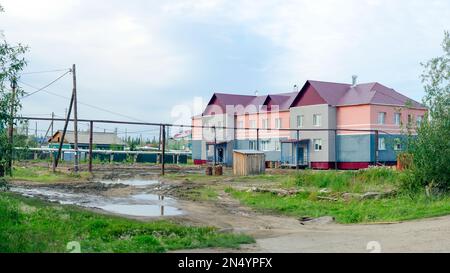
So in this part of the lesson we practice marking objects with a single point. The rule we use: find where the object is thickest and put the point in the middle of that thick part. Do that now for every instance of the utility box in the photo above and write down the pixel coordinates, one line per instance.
(248, 162)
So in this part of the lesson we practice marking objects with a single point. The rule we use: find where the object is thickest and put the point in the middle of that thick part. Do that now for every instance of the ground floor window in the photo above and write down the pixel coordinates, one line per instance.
(317, 144)
(265, 145)
(252, 145)
(381, 144)
(277, 146)
(397, 144)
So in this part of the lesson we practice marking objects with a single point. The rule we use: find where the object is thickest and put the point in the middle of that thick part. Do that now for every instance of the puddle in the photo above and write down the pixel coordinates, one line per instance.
(131, 182)
(142, 210)
(144, 204)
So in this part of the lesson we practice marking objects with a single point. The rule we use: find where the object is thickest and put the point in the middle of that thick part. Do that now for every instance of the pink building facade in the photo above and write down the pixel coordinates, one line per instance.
(331, 125)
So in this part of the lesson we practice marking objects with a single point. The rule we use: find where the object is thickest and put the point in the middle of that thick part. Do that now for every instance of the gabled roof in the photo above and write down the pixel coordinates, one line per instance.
(341, 94)
(222, 100)
(97, 138)
(334, 94)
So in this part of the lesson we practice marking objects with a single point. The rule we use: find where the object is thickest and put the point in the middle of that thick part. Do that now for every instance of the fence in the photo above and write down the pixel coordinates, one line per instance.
(162, 143)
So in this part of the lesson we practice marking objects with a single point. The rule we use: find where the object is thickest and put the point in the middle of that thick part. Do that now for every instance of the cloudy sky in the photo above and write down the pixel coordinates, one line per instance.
(139, 58)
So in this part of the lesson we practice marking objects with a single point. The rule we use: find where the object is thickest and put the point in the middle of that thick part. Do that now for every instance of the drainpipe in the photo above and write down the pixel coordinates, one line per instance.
(296, 150)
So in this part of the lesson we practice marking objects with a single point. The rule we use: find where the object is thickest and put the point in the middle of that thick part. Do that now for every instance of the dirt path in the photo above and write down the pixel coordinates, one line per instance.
(286, 234)
(275, 233)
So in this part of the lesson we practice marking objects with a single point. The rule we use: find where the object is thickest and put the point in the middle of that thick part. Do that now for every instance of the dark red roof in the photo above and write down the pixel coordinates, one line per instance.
(335, 94)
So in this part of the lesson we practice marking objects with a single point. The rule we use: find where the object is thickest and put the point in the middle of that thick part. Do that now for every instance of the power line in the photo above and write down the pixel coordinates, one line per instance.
(79, 102)
(45, 71)
(45, 86)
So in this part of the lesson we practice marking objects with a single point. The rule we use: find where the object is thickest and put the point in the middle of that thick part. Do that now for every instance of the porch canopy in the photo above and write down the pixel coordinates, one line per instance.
(295, 152)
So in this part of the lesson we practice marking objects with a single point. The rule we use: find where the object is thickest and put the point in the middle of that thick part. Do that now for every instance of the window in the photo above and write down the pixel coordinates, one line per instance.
(381, 144)
(252, 145)
(397, 118)
(397, 144)
(252, 123)
(241, 124)
(278, 123)
(410, 119)
(277, 146)
(265, 145)
(419, 120)
(317, 120)
(265, 123)
(317, 144)
(300, 121)
(381, 117)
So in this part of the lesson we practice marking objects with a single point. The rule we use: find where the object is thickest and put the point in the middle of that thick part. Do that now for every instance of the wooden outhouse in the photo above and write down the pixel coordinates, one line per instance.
(248, 162)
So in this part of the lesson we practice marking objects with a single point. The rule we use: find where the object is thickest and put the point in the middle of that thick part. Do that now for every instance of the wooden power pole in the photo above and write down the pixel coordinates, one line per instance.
(11, 125)
(75, 117)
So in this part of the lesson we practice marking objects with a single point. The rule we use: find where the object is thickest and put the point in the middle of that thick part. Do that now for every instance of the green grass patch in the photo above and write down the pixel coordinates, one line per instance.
(30, 225)
(44, 175)
(346, 181)
(397, 208)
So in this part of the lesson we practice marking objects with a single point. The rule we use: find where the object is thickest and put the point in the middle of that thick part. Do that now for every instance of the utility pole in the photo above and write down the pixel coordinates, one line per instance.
(11, 125)
(75, 117)
(35, 130)
(163, 152)
(53, 120)
(91, 132)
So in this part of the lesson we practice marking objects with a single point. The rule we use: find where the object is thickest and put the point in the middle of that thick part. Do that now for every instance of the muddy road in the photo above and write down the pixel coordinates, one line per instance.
(146, 197)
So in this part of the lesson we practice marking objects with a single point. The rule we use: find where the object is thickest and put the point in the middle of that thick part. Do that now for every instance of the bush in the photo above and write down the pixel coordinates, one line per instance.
(3, 185)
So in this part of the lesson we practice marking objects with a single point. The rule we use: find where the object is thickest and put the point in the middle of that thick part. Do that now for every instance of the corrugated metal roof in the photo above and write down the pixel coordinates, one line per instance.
(248, 152)
(98, 138)
(335, 94)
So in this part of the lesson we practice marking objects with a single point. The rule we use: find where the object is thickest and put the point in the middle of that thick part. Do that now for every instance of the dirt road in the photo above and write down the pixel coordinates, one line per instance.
(276, 233)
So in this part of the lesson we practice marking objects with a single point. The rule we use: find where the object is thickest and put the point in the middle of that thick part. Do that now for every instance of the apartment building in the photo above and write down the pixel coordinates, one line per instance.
(323, 125)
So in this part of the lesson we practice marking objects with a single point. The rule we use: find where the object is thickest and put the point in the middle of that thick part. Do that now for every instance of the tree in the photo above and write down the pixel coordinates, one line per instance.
(11, 64)
(430, 149)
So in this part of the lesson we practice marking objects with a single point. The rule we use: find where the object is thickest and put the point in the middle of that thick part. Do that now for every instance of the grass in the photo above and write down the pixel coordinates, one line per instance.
(29, 225)
(396, 208)
(371, 179)
(44, 175)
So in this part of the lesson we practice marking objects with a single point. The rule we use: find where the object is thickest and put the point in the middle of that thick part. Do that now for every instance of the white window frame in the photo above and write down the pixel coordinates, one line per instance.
(398, 145)
(265, 123)
(300, 121)
(277, 145)
(317, 120)
(278, 123)
(382, 118)
(265, 145)
(317, 143)
(252, 123)
(241, 124)
(410, 119)
(419, 120)
(381, 144)
(252, 145)
(398, 121)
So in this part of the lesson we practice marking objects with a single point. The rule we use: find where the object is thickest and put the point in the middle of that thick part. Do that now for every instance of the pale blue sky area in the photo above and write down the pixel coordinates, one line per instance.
(142, 58)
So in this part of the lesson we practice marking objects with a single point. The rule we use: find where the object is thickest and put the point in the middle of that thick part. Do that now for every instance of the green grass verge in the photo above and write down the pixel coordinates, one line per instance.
(397, 208)
(44, 175)
(29, 225)
(378, 179)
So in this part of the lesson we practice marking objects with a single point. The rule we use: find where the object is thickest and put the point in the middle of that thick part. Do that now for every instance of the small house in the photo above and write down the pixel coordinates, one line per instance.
(100, 140)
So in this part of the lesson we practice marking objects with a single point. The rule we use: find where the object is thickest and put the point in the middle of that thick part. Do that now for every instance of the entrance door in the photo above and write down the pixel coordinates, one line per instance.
(220, 154)
(300, 155)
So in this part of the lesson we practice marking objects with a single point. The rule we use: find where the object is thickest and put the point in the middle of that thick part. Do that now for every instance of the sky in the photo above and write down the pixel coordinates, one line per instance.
(160, 61)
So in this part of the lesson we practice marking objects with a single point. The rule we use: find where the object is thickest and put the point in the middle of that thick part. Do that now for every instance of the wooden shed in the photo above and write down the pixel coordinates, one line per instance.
(248, 162)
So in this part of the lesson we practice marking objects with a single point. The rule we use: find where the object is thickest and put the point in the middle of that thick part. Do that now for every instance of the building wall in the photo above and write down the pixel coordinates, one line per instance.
(328, 116)
(258, 118)
(366, 117)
